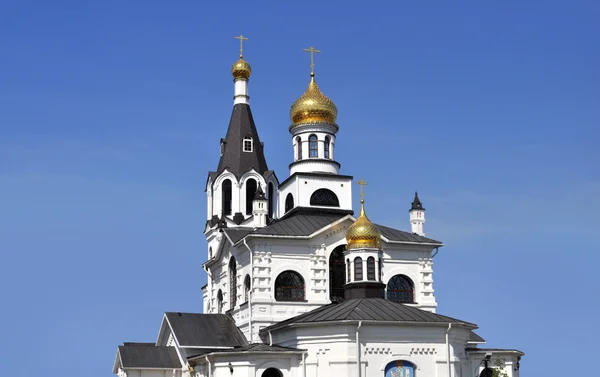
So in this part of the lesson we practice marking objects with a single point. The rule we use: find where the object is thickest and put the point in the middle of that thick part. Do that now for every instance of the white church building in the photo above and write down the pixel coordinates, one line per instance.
(298, 284)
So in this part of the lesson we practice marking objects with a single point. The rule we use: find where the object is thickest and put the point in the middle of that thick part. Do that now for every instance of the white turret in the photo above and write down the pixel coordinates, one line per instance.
(417, 216)
(259, 208)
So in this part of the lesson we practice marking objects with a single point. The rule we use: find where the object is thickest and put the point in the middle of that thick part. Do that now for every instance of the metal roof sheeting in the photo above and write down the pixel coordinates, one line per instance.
(205, 330)
(368, 309)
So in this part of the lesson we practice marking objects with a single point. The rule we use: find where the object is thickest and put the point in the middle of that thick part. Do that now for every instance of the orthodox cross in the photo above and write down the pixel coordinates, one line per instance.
(242, 39)
(362, 184)
(312, 51)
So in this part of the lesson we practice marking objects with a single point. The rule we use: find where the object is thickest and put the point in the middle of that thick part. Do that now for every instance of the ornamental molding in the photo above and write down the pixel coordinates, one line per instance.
(378, 350)
(423, 351)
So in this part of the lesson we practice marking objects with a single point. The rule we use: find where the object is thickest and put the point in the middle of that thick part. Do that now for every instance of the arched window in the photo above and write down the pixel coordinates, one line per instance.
(272, 372)
(326, 146)
(324, 197)
(250, 191)
(219, 302)
(337, 272)
(299, 143)
(247, 143)
(358, 268)
(348, 270)
(400, 368)
(289, 202)
(313, 149)
(370, 268)
(210, 252)
(226, 197)
(246, 288)
(270, 199)
(232, 283)
(289, 286)
(380, 268)
(400, 289)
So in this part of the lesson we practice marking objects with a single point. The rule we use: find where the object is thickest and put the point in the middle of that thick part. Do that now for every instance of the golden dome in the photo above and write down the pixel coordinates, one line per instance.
(313, 107)
(363, 233)
(241, 69)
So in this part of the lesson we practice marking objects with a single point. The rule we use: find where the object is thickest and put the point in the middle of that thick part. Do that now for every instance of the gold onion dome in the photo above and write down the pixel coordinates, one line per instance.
(313, 107)
(241, 69)
(363, 233)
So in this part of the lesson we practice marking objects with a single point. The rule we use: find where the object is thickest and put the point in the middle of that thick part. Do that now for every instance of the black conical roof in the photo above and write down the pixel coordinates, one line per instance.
(416, 204)
(234, 159)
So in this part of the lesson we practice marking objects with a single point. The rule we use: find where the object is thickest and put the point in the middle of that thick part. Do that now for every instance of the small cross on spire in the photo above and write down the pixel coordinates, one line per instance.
(362, 184)
(242, 39)
(312, 51)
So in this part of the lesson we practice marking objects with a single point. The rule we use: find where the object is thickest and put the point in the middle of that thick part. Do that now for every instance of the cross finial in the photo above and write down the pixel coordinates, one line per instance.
(242, 39)
(362, 184)
(312, 51)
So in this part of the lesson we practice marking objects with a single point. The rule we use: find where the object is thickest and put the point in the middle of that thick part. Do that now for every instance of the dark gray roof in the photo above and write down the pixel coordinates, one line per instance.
(305, 221)
(147, 355)
(237, 234)
(368, 309)
(416, 204)
(250, 348)
(205, 330)
(234, 158)
(476, 338)
(400, 235)
(300, 223)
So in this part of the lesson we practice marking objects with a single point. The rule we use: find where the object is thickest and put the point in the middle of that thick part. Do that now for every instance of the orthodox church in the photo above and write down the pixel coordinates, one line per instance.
(298, 285)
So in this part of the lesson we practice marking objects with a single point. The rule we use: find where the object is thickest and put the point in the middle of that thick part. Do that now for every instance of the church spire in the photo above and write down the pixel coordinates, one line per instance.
(241, 150)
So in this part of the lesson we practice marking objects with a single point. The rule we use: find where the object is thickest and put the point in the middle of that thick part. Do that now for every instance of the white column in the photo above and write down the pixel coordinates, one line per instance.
(241, 92)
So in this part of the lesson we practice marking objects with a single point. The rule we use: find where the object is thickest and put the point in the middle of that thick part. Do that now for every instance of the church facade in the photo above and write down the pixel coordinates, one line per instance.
(298, 285)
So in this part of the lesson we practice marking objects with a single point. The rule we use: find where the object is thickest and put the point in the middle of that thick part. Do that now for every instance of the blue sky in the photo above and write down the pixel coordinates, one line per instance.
(111, 114)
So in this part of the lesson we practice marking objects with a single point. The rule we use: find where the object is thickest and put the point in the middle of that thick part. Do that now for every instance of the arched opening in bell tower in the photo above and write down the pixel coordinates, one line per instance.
(337, 273)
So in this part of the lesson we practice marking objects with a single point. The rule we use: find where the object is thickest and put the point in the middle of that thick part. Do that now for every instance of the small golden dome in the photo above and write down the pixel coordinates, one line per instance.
(313, 107)
(241, 69)
(363, 233)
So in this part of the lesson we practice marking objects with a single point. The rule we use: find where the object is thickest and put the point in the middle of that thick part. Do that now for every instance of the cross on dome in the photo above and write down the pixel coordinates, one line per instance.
(312, 52)
(242, 39)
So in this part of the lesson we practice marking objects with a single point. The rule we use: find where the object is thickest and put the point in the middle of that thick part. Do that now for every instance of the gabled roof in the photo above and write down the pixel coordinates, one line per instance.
(368, 309)
(234, 159)
(147, 356)
(205, 330)
(300, 224)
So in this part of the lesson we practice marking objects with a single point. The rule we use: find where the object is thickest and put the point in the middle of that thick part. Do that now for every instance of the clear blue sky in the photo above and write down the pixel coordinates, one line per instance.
(111, 114)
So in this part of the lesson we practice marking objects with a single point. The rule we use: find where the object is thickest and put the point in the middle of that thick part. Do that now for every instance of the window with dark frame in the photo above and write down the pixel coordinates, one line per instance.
(289, 202)
(289, 286)
(358, 269)
(326, 146)
(337, 274)
(246, 288)
(226, 197)
(348, 270)
(313, 149)
(299, 142)
(251, 186)
(370, 268)
(219, 302)
(232, 283)
(400, 289)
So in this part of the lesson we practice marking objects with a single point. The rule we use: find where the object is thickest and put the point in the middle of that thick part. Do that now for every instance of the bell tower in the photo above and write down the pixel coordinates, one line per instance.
(242, 168)
(314, 179)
